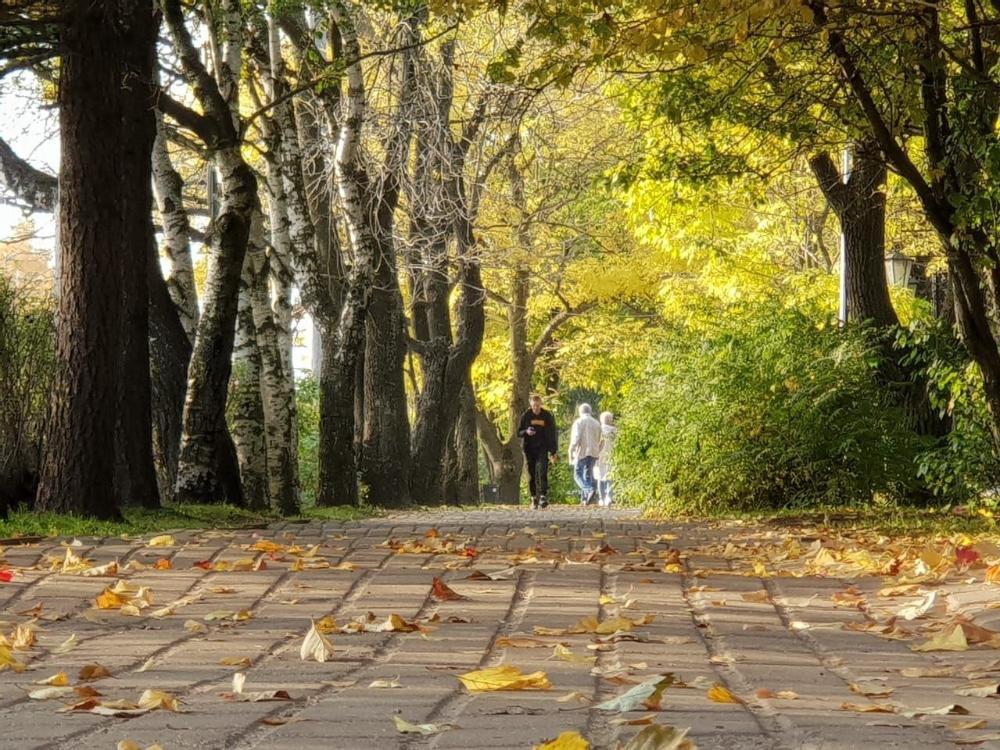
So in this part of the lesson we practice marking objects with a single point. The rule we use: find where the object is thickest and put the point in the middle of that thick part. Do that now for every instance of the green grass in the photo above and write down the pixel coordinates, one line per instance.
(180, 516)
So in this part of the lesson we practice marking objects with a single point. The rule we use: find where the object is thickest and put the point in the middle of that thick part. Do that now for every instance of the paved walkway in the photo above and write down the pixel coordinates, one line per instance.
(241, 602)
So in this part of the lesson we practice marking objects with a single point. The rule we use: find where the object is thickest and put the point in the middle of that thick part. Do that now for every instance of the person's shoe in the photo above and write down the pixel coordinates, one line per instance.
(543, 502)
(590, 497)
(534, 503)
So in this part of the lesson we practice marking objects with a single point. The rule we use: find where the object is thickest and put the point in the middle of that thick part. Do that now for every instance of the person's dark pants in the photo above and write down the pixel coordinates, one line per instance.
(538, 473)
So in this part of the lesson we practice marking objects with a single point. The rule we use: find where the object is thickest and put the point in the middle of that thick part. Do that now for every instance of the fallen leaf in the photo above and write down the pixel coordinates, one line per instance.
(235, 661)
(928, 672)
(442, 593)
(315, 646)
(521, 642)
(870, 690)
(504, 677)
(164, 540)
(761, 597)
(405, 727)
(952, 639)
(660, 737)
(163, 564)
(6, 576)
(59, 679)
(23, 638)
(979, 689)
(576, 695)
(153, 699)
(869, 708)
(48, 693)
(951, 708)
(66, 646)
(645, 693)
(719, 693)
(193, 626)
(386, 684)
(93, 672)
(920, 608)
(565, 741)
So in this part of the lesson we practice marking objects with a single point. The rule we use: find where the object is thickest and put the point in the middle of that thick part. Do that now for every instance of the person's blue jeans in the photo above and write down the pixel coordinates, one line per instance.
(584, 476)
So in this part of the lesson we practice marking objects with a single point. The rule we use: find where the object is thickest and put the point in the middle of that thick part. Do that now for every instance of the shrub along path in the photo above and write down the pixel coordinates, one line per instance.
(752, 637)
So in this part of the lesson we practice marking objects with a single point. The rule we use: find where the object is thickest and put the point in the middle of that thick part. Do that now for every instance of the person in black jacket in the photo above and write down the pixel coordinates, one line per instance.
(537, 429)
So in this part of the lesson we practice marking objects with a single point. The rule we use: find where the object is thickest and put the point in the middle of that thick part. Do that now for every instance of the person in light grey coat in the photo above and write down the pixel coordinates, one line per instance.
(603, 467)
(584, 448)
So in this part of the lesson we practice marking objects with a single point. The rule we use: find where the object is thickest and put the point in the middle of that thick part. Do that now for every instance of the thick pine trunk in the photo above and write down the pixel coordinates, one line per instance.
(246, 408)
(205, 436)
(78, 469)
(135, 474)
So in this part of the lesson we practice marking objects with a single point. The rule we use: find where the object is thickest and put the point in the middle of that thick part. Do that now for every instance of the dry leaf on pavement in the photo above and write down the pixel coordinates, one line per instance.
(441, 592)
(565, 741)
(315, 646)
(405, 727)
(504, 677)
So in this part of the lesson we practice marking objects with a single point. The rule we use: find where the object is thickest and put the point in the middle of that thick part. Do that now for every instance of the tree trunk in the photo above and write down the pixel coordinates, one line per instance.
(338, 481)
(78, 469)
(169, 188)
(386, 442)
(211, 362)
(860, 207)
(135, 474)
(170, 353)
(247, 410)
(466, 449)
(277, 387)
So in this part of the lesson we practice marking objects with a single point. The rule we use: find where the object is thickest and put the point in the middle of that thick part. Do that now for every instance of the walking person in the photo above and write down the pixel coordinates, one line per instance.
(537, 429)
(602, 469)
(584, 448)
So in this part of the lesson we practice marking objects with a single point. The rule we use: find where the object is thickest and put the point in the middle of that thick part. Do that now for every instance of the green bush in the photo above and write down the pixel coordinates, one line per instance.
(763, 409)
(27, 364)
(307, 404)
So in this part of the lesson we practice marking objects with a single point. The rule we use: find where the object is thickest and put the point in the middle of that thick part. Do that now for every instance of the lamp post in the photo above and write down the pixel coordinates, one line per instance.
(898, 268)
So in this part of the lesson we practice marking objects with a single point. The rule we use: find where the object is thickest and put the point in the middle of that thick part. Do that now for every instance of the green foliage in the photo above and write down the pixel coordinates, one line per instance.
(307, 404)
(964, 466)
(27, 363)
(765, 409)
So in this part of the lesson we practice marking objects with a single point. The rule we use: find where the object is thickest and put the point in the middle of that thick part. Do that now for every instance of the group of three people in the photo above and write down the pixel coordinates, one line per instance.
(590, 446)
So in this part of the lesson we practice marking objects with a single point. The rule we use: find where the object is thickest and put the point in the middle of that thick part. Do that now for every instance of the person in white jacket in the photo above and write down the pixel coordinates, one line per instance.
(602, 469)
(584, 449)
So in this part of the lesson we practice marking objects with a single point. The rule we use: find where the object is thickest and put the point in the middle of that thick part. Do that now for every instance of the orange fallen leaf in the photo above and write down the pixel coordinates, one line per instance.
(93, 672)
(163, 564)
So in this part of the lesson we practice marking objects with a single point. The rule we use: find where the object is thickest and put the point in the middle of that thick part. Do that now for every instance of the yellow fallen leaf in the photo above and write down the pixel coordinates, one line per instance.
(562, 653)
(153, 699)
(315, 646)
(659, 737)
(193, 626)
(504, 677)
(566, 741)
(952, 639)
(164, 540)
(59, 679)
(48, 693)
(235, 661)
(720, 694)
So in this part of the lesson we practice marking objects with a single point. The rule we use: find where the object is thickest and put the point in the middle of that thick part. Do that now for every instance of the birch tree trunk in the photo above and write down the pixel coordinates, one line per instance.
(246, 409)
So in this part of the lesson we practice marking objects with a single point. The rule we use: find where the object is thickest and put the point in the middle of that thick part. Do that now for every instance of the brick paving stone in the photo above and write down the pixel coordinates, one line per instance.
(704, 632)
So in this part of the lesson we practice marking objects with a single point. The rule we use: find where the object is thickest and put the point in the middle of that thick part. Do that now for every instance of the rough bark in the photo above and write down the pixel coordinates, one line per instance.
(859, 205)
(36, 189)
(466, 449)
(78, 469)
(135, 474)
(246, 407)
(170, 353)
